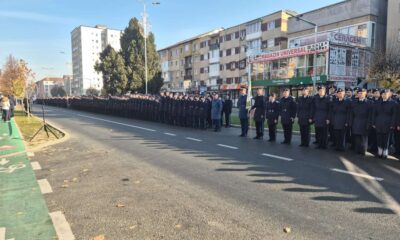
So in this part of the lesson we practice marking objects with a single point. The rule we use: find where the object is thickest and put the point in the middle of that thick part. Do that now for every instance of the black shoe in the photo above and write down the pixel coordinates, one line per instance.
(271, 140)
(256, 138)
(241, 135)
(284, 142)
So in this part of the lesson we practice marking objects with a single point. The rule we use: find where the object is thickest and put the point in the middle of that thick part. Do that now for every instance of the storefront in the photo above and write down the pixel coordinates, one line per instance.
(336, 63)
(231, 90)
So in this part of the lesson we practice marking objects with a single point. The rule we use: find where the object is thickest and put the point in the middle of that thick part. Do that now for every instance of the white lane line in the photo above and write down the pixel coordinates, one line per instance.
(118, 123)
(61, 225)
(357, 174)
(277, 157)
(170, 134)
(36, 166)
(392, 169)
(45, 186)
(194, 139)
(227, 146)
(2, 233)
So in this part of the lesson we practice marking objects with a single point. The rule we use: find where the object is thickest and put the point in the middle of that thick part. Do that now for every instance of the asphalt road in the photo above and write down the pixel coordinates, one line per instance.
(178, 183)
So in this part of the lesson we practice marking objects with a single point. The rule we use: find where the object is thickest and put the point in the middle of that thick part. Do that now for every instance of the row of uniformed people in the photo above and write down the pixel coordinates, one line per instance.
(341, 117)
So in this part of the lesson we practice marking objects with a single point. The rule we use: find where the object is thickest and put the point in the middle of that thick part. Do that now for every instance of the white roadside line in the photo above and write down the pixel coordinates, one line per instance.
(227, 146)
(36, 166)
(277, 157)
(45, 186)
(118, 123)
(170, 134)
(2, 233)
(392, 169)
(61, 225)
(357, 174)
(194, 139)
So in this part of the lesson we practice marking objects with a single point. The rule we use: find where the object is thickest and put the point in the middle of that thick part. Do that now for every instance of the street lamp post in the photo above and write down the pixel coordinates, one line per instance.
(145, 33)
(315, 46)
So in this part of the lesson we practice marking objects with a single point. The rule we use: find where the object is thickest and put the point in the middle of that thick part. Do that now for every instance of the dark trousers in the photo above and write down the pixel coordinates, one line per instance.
(322, 136)
(272, 131)
(227, 119)
(217, 124)
(372, 140)
(287, 132)
(361, 143)
(305, 134)
(209, 121)
(260, 128)
(203, 123)
(397, 141)
(244, 124)
(340, 135)
(382, 140)
(196, 123)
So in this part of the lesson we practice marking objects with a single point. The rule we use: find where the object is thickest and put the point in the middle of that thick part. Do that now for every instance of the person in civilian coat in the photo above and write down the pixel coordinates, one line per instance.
(272, 116)
(227, 109)
(305, 113)
(216, 109)
(321, 117)
(339, 115)
(384, 122)
(360, 120)
(288, 113)
(259, 113)
(243, 112)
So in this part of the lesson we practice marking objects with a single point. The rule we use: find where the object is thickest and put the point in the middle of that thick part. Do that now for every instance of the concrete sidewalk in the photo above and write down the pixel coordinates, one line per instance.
(23, 210)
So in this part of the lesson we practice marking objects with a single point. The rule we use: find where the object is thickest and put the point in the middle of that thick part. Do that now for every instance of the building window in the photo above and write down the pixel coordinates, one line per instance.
(221, 39)
(219, 81)
(221, 53)
(228, 52)
(237, 35)
(271, 43)
(201, 70)
(228, 80)
(264, 44)
(201, 57)
(186, 47)
(271, 25)
(253, 28)
(237, 80)
(221, 67)
(228, 37)
(228, 66)
(237, 50)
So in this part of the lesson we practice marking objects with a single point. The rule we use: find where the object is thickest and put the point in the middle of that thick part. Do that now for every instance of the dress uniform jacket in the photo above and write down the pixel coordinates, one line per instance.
(259, 105)
(287, 110)
(241, 104)
(360, 116)
(305, 110)
(384, 117)
(272, 112)
(321, 110)
(339, 114)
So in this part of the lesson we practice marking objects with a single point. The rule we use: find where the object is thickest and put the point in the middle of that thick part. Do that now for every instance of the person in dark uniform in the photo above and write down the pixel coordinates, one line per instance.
(203, 113)
(209, 105)
(305, 113)
(339, 115)
(227, 109)
(243, 114)
(259, 113)
(272, 116)
(288, 113)
(396, 134)
(360, 121)
(375, 98)
(321, 117)
(384, 122)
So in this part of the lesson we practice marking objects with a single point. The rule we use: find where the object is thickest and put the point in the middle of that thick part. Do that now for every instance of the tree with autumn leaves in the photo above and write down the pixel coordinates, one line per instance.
(124, 71)
(14, 77)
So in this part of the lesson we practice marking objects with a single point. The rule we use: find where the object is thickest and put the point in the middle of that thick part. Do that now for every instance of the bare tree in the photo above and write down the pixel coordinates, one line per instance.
(385, 67)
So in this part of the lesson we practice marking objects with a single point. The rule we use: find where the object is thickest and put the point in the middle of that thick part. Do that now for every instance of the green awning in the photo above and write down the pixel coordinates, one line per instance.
(289, 81)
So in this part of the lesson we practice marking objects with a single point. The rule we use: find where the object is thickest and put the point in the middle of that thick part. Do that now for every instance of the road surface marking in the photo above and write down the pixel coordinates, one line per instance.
(30, 154)
(4, 161)
(392, 169)
(194, 139)
(170, 134)
(45, 186)
(36, 166)
(277, 157)
(2, 233)
(118, 123)
(357, 174)
(61, 225)
(227, 146)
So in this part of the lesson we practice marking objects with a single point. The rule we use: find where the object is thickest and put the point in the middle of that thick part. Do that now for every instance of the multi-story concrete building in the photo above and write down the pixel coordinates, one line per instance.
(44, 86)
(348, 32)
(393, 24)
(87, 43)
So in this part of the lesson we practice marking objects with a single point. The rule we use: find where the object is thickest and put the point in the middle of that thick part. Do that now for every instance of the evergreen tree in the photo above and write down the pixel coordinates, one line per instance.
(112, 67)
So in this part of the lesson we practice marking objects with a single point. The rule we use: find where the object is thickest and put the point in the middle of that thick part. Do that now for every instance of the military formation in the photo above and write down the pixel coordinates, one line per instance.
(354, 119)
(357, 119)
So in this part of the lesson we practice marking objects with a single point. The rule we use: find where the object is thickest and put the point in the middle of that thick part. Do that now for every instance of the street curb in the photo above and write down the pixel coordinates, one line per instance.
(47, 144)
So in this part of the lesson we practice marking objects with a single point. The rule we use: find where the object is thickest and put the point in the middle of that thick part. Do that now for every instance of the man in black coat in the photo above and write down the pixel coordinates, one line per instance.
(360, 120)
(288, 113)
(272, 116)
(339, 115)
(305, 113)
(321, 117)
(259, 113)
(384, 122)
(372, 140)
(227, 109)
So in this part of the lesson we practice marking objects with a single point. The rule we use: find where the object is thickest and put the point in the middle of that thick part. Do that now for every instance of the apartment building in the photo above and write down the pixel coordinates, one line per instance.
(87, 43)
(44, 86)
(393, 24)
(338, 54)
(217, 60)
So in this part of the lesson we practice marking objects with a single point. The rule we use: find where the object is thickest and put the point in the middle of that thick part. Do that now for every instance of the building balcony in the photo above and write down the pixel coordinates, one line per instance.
(252, 36)
(214, 46)
(188, 65)
(188, 77)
